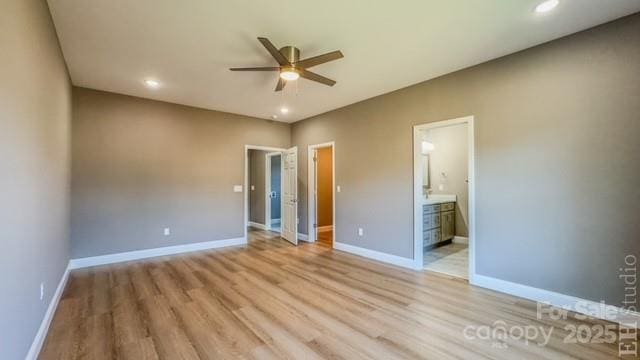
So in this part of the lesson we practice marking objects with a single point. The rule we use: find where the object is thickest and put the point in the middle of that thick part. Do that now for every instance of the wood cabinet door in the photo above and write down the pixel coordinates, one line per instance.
(448, 225)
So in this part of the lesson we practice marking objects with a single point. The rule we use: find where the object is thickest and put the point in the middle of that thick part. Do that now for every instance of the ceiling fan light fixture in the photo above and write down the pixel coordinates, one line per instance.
(289, 74)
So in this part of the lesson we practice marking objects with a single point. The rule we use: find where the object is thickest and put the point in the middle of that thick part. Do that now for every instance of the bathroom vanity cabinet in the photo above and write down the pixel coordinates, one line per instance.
(438, 223)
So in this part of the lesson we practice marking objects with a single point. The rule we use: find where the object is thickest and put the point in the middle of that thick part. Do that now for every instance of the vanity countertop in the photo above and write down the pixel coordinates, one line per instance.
(438, 199)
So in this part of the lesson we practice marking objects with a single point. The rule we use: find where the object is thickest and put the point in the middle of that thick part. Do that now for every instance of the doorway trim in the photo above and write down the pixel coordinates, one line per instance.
(246, 180)
(267, 187)
(311, 184)
(417, 190)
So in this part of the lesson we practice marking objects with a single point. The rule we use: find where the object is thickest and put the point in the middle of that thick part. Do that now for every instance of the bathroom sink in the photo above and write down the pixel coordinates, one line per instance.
(439, 199)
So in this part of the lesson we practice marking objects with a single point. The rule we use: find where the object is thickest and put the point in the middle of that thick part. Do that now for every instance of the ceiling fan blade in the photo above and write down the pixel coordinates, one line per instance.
(274, 51)
(273, 68)
(320, 59)
(315, 77)
(281, 84)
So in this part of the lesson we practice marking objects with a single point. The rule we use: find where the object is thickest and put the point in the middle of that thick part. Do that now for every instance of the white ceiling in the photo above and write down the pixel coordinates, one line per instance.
(189, 45)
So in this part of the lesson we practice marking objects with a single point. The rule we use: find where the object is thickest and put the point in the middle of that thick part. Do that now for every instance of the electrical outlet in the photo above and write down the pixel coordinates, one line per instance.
(167, 231)
(360, 232)
(41, 291)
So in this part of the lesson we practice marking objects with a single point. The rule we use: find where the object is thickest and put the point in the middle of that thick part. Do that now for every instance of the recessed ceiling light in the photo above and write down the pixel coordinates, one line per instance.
(153, 84)
(546, 6)
(284, 110)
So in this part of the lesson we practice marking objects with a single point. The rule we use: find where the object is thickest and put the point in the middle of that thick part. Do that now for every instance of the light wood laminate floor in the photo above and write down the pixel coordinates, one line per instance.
(325, 238)
(274, 300)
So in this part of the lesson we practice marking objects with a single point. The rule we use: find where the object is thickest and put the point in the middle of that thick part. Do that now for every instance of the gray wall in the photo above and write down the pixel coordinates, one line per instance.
(35, 120)
(258, 196)
(450, 156)
(257, 178)
(142, 165)
(276, 168)
(557, 161)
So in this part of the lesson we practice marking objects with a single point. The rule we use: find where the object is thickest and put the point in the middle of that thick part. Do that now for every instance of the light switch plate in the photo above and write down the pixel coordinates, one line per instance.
(237, 188)
(253, 187)
(338, 188)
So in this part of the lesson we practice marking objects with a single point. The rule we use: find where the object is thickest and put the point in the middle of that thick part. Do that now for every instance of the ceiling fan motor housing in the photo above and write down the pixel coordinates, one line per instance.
(291, 53)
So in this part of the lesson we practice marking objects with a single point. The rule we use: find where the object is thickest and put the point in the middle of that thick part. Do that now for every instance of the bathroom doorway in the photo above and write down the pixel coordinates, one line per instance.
(443, 165)
(321, 168)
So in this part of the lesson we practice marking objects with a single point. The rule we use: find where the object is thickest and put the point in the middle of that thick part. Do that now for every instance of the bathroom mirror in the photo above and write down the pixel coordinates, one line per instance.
(427, 148)
(426, 184)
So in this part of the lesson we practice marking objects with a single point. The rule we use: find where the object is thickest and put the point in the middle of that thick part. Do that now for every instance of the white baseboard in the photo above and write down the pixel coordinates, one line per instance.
(41, 335)
(325, 228)
(257, 225)
(303, 237)
(148, 253)
(376, 255)
(568, 302)
(461, 240)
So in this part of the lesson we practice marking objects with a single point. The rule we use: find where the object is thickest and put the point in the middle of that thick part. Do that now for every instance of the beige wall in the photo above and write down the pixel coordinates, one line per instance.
(557, 161)
(450, 156)
(257, 196)
(325, 185)
(142, 165)
(35, 122)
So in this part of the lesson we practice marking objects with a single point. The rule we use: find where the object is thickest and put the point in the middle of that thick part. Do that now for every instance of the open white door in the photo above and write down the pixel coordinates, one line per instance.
(313, 230)
(289, 190)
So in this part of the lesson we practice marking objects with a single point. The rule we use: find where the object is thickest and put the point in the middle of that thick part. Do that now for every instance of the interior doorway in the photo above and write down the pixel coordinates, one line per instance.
(443, 197)
(259, 187)
(321, 169)
(257, 190)
(273, 191)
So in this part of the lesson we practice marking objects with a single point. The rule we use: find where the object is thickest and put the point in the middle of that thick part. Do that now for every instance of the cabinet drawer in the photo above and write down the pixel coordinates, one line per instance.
(431, 221)
(427, 222)
(436, 219)
(448, 206)
(431, 237)
(428, 209)
(426, 238)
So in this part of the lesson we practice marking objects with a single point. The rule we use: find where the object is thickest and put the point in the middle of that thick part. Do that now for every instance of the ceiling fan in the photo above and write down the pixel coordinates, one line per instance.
(291, 67)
